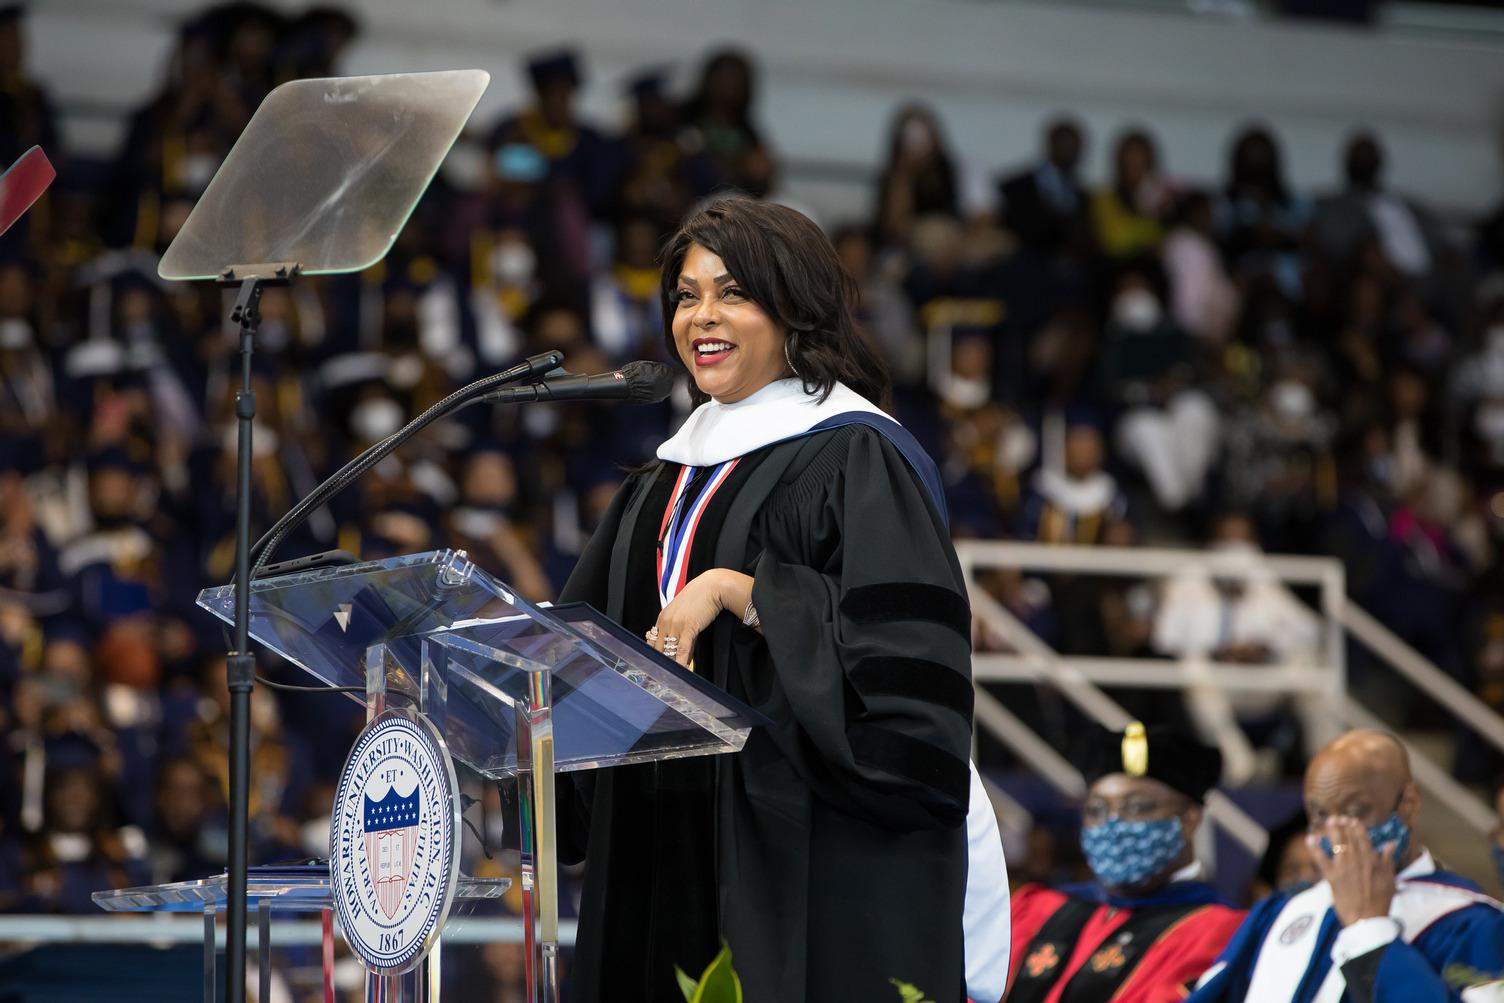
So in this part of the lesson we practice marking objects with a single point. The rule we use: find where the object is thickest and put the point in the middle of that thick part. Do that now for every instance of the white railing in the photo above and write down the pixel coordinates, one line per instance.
(1319, 685)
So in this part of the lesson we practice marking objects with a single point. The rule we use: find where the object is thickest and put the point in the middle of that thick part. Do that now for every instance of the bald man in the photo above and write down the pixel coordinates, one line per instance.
(1384, 924)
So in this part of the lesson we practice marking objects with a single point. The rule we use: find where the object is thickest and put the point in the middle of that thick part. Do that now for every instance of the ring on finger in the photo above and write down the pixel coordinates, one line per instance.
(652, 634)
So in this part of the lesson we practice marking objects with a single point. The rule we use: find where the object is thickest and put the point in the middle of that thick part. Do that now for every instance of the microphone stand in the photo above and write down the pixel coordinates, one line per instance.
(252, 281)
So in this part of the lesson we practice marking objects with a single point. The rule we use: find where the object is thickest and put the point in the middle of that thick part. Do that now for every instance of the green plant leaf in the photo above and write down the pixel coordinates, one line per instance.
(909, 993)
(719, 984)
(687, 985)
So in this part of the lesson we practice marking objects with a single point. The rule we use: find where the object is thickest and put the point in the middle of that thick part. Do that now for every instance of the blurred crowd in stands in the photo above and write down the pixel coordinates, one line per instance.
(1131, 360)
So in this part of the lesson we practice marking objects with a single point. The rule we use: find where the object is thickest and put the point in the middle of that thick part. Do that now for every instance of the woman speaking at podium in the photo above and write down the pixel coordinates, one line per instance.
(790, 545)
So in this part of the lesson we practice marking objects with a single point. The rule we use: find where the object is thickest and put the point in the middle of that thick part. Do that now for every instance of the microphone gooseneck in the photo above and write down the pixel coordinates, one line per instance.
(534, 365)
(634, 383)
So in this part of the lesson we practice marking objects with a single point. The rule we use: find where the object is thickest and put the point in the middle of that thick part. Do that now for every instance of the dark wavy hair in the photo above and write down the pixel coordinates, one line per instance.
(787, 266)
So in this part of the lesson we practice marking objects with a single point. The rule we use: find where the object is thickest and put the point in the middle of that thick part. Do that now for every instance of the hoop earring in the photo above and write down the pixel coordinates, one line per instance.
(788, 355)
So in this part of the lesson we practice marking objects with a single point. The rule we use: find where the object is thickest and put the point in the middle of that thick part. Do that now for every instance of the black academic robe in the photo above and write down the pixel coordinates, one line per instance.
(830, 853)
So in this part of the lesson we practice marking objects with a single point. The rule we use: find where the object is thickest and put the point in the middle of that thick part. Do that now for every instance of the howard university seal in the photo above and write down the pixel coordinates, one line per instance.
(393, 843)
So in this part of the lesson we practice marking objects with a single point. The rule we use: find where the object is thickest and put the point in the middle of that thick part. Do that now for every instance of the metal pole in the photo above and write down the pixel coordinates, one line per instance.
(241, 663)
(526, 848)
(546, 854)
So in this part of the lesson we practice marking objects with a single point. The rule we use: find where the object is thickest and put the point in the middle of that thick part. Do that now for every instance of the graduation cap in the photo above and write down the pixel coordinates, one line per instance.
(115, 458)
(325, 20)
(1162, 753)
(554, 65)
(311, 38)
(1085, 416)
(70, 750)
(135, 280)
(972, 332)
(200, 27)
(217, 26)
(648, 85)
(81, 176)
(223, 20)
(24, 454)
(71, 630)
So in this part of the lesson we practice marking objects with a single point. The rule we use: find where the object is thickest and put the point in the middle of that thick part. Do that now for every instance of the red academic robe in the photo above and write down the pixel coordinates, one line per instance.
(1077, 946)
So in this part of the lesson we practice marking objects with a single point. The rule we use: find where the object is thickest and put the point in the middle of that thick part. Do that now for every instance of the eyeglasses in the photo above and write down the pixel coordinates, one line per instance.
(1130, 809)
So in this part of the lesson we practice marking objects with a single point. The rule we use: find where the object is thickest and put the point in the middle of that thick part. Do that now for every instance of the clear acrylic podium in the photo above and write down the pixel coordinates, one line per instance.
(299, 889)
(517, 690)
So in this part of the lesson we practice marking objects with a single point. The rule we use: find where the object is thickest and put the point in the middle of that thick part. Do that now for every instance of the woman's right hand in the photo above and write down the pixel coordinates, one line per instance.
(696, 606)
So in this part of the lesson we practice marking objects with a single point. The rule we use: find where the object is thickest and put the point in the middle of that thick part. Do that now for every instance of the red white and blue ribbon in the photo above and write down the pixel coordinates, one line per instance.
(676, 535)
(780, 411)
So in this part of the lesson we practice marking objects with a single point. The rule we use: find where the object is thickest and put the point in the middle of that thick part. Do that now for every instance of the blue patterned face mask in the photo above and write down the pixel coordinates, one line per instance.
(1126, 854)
(1391, 830)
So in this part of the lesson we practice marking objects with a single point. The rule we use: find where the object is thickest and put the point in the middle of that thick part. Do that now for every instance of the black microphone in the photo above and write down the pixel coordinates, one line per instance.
(636, 383)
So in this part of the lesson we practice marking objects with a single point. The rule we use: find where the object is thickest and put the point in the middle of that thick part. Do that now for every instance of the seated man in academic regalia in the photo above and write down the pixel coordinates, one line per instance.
(1148, 926)
(1385, 924)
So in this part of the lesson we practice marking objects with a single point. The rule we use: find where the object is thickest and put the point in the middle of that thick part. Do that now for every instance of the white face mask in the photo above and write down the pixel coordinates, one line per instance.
(315, 837)
(404, 372)
(1488, 422)
(1136, 310)
(144, 330)
(962, 392)
(477, 523)
(540, 420)
(465, 166)
(375, 419)
(438, 324)
(513, 264)
(1292, 399)
(264, 718)
(15, 334)
(273, 336)
(1491, 363)
(1016, 447)
(198, 171)
(263, 439)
